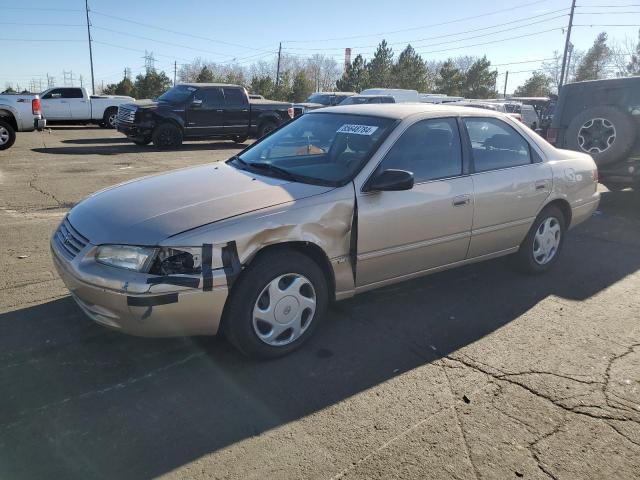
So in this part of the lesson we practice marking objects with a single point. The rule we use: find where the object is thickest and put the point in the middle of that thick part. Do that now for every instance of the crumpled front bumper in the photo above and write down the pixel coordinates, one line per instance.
(124, 301)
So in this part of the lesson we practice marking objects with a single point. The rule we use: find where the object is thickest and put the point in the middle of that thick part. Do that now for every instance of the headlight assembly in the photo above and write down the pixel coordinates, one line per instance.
(178, 261)
(128, 257)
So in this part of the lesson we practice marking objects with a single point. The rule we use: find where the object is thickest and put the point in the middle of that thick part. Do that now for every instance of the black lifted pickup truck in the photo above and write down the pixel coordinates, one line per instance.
(200, 110)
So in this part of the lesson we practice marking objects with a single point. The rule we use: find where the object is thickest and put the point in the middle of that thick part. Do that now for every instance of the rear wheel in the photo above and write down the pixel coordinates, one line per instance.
(266, 128)
(239, 139)
(166, 136)
(7, 135)
(109, 118)
(541, 247)
(142, 141)
(276, 304)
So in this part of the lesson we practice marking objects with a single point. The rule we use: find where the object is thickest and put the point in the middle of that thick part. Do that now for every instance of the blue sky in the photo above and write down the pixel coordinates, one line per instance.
(520, 31)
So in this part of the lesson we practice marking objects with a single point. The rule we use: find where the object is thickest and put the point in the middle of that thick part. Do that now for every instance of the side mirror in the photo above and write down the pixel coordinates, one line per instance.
(390, 181)
(196, 103)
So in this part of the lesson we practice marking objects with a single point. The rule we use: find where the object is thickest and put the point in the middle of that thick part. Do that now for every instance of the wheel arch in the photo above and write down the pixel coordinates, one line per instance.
(9, 117)
(564, 206)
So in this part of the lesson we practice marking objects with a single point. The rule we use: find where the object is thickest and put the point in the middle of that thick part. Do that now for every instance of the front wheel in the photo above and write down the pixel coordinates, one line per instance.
(7, 135)
(540, 249)
(166, 136)
(276, 304)
(142, 141)
(109, 118)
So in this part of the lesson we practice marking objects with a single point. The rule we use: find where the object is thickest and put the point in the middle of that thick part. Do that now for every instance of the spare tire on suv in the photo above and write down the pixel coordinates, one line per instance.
(606, 133)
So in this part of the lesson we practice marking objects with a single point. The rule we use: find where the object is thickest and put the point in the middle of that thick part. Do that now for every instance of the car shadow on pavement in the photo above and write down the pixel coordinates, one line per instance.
(115, 149)
(80, 401)
(96, 141)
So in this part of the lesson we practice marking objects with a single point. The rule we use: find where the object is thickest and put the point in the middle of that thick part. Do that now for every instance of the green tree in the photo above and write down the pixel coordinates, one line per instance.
(110, 89)
(410, 71)
(205, 76)
(450, 79)
(480, 81)
(125, 87)
(538, 85)
(594, 63)
(152, 84)
(282, 91)
(380, 67)
(355, 77)
(9, 89)
(301, 88)
(633, 67)
(262, 85)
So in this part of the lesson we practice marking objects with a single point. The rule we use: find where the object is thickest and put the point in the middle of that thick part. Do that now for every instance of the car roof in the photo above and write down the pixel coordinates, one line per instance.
(400, 111)
(198, 85)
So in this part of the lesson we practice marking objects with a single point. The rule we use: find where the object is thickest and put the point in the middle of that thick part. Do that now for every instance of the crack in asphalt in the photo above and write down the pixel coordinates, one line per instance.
(43, 192)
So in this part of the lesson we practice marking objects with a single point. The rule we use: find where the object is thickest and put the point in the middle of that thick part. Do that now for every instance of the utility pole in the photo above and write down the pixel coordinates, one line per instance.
(175, 71)
(81, 82)
(86, 7)
(566, 45)
(506, 79)
(566, 76)
(278, 69)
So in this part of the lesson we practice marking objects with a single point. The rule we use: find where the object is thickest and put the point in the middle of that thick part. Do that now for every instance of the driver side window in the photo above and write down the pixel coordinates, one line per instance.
(430, 149)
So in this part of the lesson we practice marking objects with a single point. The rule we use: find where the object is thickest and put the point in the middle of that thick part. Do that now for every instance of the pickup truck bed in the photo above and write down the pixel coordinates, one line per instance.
(18, 113)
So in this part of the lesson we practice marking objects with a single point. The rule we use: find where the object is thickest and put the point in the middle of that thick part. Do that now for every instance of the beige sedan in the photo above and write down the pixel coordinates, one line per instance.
(334, 203)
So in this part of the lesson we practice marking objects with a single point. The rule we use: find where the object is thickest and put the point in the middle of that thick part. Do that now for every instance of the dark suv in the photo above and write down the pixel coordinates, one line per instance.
(602, 118)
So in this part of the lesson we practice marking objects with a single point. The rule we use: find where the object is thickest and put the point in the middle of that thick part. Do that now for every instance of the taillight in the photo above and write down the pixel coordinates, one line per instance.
(552, 135)
(35, 106)
(291, 111)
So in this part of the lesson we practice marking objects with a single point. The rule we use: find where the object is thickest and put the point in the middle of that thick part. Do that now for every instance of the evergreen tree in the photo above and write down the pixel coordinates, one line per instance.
(301, 88)
(479, 81)
(262, 85)
(538, 85)
(410, 72)
(205, 76)
(380, 67)
(450, 79)
(594, 63)
(152, 84)
(355, 78)
(282, 91)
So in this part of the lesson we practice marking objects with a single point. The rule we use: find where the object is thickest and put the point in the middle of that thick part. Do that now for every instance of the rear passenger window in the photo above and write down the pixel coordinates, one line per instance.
(496, 145)
(430, 149)
(71, 93)
(211, 97)
(234, 97)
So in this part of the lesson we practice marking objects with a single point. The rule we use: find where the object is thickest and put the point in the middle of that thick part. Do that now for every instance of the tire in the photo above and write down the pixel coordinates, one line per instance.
(239, 139)
(166, 136)
(7, 135)
(606, 133)
(250, 296)
(142, 141)
(266, 128)
(614, 187)
(525, 260)
(109, 118)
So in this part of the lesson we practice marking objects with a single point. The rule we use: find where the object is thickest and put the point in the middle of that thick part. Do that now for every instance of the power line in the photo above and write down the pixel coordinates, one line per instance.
(43, 24)
(44, 9)
(473, 17)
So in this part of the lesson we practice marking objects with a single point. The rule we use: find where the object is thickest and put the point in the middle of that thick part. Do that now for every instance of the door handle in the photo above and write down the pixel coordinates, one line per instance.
(219, 111)
(245, 110)
(461, 200)
(541, 185)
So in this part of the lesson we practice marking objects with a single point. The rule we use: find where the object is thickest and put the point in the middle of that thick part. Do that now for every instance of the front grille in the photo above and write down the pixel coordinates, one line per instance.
(69, 240)
(126, 115)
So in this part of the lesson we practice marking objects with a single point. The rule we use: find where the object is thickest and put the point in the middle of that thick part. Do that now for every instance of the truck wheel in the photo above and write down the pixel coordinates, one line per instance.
(541, 247)
(167, 135)
(7, 135)
(239, 139)
(276, 304)
(606, 133)
(109, 118)
(142, 141)
(266, 128)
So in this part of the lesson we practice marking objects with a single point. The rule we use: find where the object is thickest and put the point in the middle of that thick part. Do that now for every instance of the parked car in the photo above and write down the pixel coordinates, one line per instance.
(362, 99)
(400, 95)
(200, 110)
(75, 105)
(438, 98)
(487, 105)
(337, 202)
(527, 113)
(18, 113)
(602, 118)
(320, 100)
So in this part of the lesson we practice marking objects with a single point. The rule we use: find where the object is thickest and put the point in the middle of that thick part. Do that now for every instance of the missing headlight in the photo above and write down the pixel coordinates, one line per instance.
(176, 261)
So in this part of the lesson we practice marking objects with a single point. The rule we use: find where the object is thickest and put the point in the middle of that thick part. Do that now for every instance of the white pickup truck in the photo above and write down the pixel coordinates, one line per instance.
(18, 113)
(75, 105)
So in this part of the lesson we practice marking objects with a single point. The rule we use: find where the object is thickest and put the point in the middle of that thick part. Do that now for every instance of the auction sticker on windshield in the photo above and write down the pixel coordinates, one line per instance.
(357, 129)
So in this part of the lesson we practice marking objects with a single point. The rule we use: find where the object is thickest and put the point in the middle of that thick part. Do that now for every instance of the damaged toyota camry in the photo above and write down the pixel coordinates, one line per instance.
(334, 203)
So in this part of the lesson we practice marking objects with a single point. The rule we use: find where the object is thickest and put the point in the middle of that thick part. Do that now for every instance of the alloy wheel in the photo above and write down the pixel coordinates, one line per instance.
(4, 135)
(284, 309)
(596, 135)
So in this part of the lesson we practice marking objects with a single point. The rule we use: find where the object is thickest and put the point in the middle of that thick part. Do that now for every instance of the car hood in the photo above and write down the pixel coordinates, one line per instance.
(148, 210)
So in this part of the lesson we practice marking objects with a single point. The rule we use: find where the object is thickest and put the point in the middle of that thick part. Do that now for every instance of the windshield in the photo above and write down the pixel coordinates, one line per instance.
(324, 148)
(355, 100)
(178, 94)
(319, 98)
